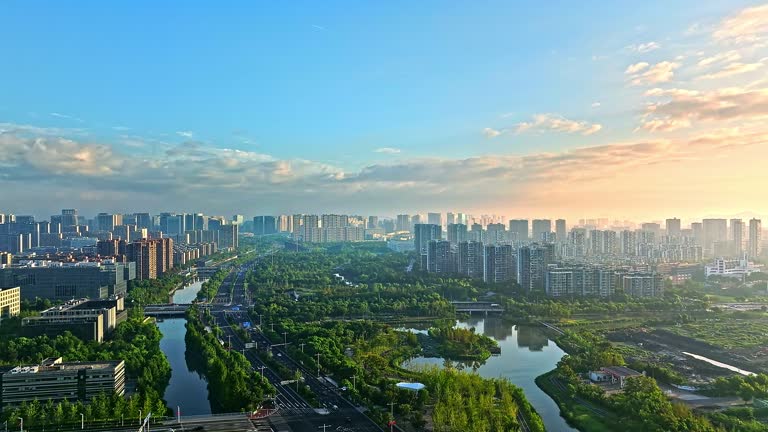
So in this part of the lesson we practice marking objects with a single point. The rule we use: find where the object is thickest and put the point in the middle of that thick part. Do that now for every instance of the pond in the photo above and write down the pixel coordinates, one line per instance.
(526, 352)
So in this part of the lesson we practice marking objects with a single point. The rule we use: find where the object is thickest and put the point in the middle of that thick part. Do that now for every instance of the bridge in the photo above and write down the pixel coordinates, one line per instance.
(166, 310)
(206, 272)
(472, 306)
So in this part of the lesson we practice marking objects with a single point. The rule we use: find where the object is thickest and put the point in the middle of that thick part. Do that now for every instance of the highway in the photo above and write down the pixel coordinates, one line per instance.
(335, 411)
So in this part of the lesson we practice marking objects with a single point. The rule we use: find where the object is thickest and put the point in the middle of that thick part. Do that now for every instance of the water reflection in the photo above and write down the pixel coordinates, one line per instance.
(526, 353)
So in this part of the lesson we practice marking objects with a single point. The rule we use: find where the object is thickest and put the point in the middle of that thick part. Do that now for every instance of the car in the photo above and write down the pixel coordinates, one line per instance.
(279, 355)
(344, 388)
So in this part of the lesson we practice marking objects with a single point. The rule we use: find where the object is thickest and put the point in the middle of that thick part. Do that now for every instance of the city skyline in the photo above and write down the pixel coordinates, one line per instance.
(553, 111)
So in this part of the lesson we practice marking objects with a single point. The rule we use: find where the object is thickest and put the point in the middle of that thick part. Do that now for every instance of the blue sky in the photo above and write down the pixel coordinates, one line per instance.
(347, 86)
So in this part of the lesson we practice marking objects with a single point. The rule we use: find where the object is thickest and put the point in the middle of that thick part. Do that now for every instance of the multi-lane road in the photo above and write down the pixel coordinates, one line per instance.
(335, 411)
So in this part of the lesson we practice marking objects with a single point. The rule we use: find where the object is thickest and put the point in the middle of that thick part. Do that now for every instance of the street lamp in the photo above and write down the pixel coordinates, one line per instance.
(21, 424)
(82, 421)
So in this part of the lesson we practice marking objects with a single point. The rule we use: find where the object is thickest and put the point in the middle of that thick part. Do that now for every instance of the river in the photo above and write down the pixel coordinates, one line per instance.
(187, 389)
(526, 352)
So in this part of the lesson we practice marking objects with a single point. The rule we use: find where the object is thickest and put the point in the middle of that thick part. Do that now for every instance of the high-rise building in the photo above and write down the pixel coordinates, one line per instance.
(69, 219)
(532, 262)
(755, 234)
(498, 263)
(144, 254)
(673, 228)
(435, 219)
(334, 221)
(423, 234)
(541, 227)
(440, 258)
(264, 225)
(653, 228)
(403, 222)
(495, 233)
(284, 224)
(228, 236)
(470, 258)
(715, 231)
(457, 233)
(373, 222)
(450, 218)
(519, 229)
(737, 237)
(144, 220)
(561, 230)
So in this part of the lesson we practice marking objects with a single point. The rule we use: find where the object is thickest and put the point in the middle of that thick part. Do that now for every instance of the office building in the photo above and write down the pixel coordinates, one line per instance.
(560, 230)
(56, 380)
(403, 222)
(63, 281)
(755, 234)
(69, 220)
(10, 302)
(541, 227)
(6, 258)
(498, 263)
(264, 225)
(518, 229)
(88, 319)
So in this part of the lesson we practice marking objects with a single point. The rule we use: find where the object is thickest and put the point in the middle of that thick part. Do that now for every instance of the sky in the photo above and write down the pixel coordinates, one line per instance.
(527, 108)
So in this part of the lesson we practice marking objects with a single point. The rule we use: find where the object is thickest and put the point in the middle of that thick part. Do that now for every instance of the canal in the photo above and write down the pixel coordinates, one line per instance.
(187, 389)
(526, 352)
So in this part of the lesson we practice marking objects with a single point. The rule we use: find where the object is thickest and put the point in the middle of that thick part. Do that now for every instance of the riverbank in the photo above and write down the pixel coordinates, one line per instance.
(578, 414)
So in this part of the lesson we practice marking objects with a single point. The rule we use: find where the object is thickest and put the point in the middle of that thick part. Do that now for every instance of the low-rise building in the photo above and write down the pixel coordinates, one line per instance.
(614, 375)
(10, 302)
(86, 319)
(55, 380)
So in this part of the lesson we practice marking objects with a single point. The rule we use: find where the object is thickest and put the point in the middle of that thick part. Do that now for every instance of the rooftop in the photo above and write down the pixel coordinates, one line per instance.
(57, 365)
(621, 371)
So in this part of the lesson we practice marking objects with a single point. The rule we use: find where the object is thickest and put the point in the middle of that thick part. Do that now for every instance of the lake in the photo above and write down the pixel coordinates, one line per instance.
(526, 352)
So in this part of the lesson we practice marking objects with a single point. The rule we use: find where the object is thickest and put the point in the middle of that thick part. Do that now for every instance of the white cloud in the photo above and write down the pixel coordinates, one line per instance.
(749, 25)
(491, 133)
(558, 123)
(722, 57)
(596, 104)
(643, 47)
(733, 69)
(67, 117)
(387, 150)
(635, 68)
(658, 73)
(185, 134)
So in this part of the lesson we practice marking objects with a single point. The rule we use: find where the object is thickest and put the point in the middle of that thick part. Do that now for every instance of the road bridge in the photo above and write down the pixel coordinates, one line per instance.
(473, 306)
(167, 310)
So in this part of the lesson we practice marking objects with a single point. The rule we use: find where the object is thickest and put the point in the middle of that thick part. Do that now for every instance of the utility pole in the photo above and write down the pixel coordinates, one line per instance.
(273, 327)
(392, 414)
(354, 382)
(285, 339)
(21, 424)
(302, 347)
(318, 364)
(324, 426)
(262, 371)
(229, 341)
